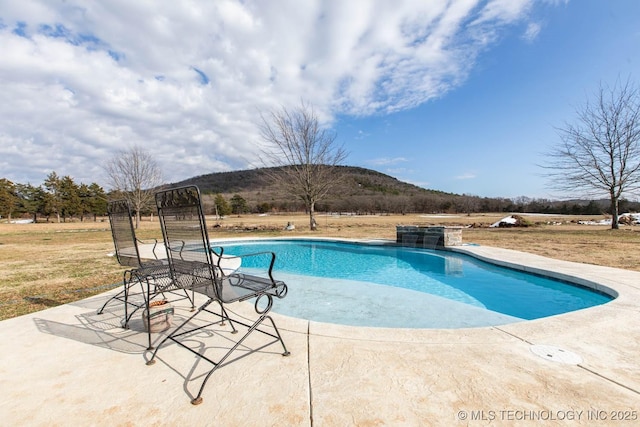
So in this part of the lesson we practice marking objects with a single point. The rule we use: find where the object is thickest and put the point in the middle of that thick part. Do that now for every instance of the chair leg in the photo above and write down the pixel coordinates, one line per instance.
(191, 299)
(146, 303)
(275, 328)
(117, 296)
(198, 399)
(123, 296)
(132, 282)
(173, 334)
(224, 316)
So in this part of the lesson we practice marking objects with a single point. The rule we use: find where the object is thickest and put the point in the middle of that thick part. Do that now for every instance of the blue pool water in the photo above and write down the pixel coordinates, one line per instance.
(389, 286)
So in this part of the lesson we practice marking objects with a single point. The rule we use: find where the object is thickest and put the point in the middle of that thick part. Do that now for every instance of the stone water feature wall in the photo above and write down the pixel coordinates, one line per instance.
(432, 237)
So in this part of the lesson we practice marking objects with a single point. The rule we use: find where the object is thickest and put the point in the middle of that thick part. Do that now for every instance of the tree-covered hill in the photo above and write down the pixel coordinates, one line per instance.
(367, 191)
(361, 191)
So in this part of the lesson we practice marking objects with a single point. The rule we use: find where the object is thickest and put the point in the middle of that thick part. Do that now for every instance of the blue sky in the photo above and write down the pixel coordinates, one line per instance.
(488, 136)
(458, 96)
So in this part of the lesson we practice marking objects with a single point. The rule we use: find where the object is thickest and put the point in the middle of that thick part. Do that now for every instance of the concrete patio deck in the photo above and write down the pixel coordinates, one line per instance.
(69, 366)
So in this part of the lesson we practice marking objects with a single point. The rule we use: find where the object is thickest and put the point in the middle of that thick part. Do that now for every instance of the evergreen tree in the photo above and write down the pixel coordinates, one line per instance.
(238, 204)
(97, 200)
(31, 199)
(222, 206)
(71, 203)
(8, 198)
(53, 203)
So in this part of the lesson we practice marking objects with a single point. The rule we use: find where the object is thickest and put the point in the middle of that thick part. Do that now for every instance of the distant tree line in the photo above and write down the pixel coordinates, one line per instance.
(58, 197)
(227, 204)
(61, 198)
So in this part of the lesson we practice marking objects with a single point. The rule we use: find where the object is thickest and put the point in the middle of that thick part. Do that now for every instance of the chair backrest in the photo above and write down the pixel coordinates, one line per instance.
(185, 236)
(124, 238)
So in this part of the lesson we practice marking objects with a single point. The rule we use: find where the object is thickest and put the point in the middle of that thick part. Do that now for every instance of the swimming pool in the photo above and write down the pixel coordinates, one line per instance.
(390, 286)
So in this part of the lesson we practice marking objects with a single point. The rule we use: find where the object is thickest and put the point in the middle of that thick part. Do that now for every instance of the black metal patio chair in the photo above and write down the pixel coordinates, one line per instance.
(151, 275)
(196, 266)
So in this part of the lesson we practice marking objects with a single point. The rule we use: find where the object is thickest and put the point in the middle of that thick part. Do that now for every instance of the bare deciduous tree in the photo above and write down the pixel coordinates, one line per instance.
(600, 154)
(135, 174)
(304, 153)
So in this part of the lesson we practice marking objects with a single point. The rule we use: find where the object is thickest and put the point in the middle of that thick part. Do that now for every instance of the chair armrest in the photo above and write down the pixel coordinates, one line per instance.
(179, 251)
(155, 244)
(217, 251)
(272, 261)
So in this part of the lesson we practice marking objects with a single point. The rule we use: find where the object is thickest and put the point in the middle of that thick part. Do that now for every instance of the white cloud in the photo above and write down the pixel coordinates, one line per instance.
(187, 80)
(362, 134)
(533, 29)
(386, 161)
(398, 171)
(465, 176)
(503, 10)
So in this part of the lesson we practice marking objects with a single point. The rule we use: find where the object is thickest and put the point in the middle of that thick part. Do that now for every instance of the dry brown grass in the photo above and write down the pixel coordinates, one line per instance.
(44, 265)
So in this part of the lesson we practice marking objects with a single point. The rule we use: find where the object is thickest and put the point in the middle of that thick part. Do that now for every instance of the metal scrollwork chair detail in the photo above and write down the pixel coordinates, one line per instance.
(196, 266)
(152, 275)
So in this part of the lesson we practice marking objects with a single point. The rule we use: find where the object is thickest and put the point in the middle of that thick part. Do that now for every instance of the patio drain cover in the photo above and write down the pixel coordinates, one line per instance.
(556, 354)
